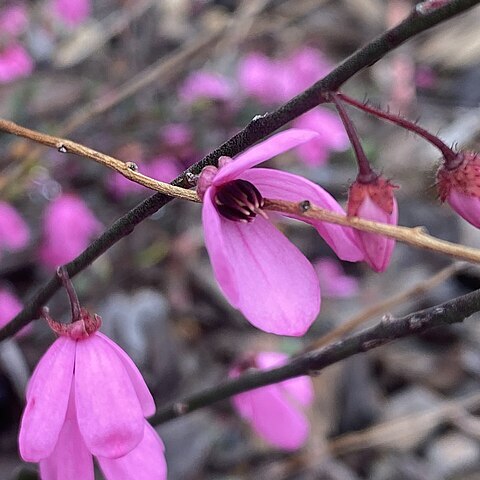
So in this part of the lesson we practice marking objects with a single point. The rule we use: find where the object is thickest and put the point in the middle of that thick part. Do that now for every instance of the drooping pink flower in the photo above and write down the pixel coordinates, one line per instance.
(334, 282)
(260, 272)
(10, 305)
(276, 412)
(331, 136)
(15, 63)
(460, 186)
(68, 227)
(13, 20)
(72, 12)
(374, 201)
(14, 232)
(275, 81)
(203, 85)
(86, 397)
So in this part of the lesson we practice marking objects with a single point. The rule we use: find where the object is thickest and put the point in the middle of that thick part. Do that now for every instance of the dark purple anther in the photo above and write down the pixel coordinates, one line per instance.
(239, 201)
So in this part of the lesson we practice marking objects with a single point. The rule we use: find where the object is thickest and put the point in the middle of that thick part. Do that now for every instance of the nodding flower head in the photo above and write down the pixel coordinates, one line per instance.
(374, 200)
(460, 186)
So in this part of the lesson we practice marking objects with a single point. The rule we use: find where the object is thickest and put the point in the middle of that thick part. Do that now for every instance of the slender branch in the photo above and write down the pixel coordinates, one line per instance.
(257, 129)
(127, 169)
(450, 156)
(311, 363)
(416, 236)
(386, 305)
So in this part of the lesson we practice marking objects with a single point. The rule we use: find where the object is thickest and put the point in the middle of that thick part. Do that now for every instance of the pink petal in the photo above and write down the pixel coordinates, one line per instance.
(280, 297)
(333, 281)
(466, 206)
(47, 400)
(378, 249)
(110, 416)
(73, 12)
(71, 458)
(273, 146)
(286, 186)
(145, 462)
(215, 243)
(143, 393)
(14, 232)
(274, 418)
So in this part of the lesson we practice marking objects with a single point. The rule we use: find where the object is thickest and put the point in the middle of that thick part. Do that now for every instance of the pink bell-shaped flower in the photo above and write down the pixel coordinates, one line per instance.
(276, 412)
(68, 227)
(460, 186)
(258, 269)
(374, 200)
(86, 397)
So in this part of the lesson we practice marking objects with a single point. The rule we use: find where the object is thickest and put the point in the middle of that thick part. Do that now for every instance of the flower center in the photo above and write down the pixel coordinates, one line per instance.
(239, 201)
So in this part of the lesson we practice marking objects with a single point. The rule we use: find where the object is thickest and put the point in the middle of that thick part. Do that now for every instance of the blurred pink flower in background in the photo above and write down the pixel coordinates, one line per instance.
(244, 246)
(276, 412)
(10, 305)
(163, 168)
(331, 136)
(14, 232)
(68, 227)
(73, 12)
(334, 283)
(13, 20)
(203, 85)
(275, 81)
(177, 140)
(86, 397)
(15, 63)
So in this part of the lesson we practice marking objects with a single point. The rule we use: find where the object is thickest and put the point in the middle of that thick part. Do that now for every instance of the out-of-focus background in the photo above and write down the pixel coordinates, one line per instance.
(161, 83)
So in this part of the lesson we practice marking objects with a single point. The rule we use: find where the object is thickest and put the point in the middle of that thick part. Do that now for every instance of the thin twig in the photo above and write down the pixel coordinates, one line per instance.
(312, 363)
(127, 169)
(254, 131)
(385, 306)
(416, 236)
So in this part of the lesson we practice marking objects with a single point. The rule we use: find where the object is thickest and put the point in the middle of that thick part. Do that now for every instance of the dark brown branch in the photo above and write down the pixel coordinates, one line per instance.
(254, 131)
(311, 363)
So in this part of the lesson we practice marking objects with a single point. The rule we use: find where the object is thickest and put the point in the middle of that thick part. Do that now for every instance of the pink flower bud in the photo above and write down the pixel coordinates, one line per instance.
(374, 201)
(460, 186)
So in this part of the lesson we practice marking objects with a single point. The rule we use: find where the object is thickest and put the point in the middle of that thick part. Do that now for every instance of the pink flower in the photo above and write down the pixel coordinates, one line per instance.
(73, 12)
(460, 186)
(13, 20)
(260, 272)
(333, 281)
(331, 136)
(15, 63)
(163, 168)
(68, 227)
(203, 85)
(374, 201)
(14, 232)
(276, 81)
(86, 397)
(275, 412)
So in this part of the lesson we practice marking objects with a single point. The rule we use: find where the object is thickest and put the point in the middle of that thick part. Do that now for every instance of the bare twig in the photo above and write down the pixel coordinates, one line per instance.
(254, 131)
(311, 363)
(416, 236)
(385, 306)
(127, 169)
